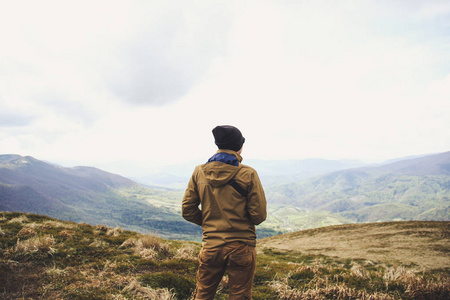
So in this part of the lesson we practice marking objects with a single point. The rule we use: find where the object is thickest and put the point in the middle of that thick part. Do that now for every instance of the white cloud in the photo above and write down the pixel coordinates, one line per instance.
(149, 80)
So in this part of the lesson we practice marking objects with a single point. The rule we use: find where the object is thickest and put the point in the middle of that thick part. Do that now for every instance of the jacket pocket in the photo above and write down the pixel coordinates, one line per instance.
(241, 260)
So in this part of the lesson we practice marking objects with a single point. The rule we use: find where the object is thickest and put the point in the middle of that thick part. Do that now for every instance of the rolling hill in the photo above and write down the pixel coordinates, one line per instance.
(86, 194)
(422, 244)
(412, 189)
(408, 189)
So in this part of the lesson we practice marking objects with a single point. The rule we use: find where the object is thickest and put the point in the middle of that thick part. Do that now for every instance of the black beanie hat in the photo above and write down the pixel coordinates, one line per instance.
(228, 137)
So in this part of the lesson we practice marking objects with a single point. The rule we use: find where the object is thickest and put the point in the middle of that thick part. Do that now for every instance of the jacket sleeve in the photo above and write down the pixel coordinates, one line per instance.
(256, 201)
(191, 201)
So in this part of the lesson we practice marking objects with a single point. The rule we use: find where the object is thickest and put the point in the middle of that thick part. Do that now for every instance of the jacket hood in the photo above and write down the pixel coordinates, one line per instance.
(219, 173)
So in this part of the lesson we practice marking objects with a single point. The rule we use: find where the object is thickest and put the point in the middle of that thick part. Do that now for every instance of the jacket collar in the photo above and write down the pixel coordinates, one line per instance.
(232, 152)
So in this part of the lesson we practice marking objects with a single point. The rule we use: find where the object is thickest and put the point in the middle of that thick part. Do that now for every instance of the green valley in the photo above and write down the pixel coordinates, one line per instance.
(408, 189)
(416, 189)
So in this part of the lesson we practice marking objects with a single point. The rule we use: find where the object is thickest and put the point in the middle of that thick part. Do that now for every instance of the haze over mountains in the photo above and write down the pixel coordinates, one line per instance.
(411, 189)
(86, 194)
(301, 194)
(271, 172)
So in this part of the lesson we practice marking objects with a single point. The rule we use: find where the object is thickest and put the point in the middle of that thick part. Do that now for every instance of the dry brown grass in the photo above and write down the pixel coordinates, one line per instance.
(324, 281)
(48, 224)
(98, 243)
(88, 280)
(285, 292)
(90, 264)
(55, 272)
(187, 251)
(46, 259)
(42, 244)
(26, 232)
(114, 231)
(101, 228)
(105, 277)
(148, 247)
(397, 273)
(129, 243)
(19, 219)
(420, 288)
(360, 271)
(57, 224)
(424, 244)
(149, 242)
(322, 287)
(136, 289)
(68, 234)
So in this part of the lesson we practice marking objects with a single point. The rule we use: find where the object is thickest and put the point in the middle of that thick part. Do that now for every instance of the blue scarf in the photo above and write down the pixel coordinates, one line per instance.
(226, 158)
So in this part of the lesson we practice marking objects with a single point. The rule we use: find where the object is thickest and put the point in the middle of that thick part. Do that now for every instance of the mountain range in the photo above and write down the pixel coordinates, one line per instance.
(410, 189)
(301, 194)
(86, 194)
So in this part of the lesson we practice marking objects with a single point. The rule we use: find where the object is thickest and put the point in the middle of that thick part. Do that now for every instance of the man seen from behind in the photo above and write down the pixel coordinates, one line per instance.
(226, 198)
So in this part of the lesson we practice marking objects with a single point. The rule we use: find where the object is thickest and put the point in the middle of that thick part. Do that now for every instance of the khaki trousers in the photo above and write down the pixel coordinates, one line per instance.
(239, 259)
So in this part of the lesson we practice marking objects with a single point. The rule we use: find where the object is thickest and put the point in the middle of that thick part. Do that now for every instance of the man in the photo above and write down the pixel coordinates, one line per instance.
(232, 202)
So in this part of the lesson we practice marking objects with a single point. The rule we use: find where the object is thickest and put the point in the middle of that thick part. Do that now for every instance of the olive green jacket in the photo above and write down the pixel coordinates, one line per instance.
(225, 215)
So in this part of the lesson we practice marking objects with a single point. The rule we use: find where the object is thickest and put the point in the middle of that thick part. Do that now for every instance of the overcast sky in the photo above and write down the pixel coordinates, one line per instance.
(96, 82)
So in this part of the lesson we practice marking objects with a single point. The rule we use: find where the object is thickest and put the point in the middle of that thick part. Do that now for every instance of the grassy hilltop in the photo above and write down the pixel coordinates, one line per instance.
(44, 258)
(422, 245)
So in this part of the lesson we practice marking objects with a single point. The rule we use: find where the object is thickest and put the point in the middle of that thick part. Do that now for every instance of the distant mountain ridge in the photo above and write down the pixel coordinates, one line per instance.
(278, 171)
(300, 198)
(271, 172)
(25, 169)
(411, 189)
(83, 194)
(27, 180)
(435, 164)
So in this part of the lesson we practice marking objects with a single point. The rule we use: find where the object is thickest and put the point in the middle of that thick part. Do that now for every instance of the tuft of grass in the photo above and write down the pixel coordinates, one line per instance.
(149, 242)
(149, 247)
(187, 252)
(98, 243)
(136, 289)
(101, 229)
(114, 232)
(39, 244)
(67, 234)
(55, 271)
(26, 232)
(19, 219)
(303, 276)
